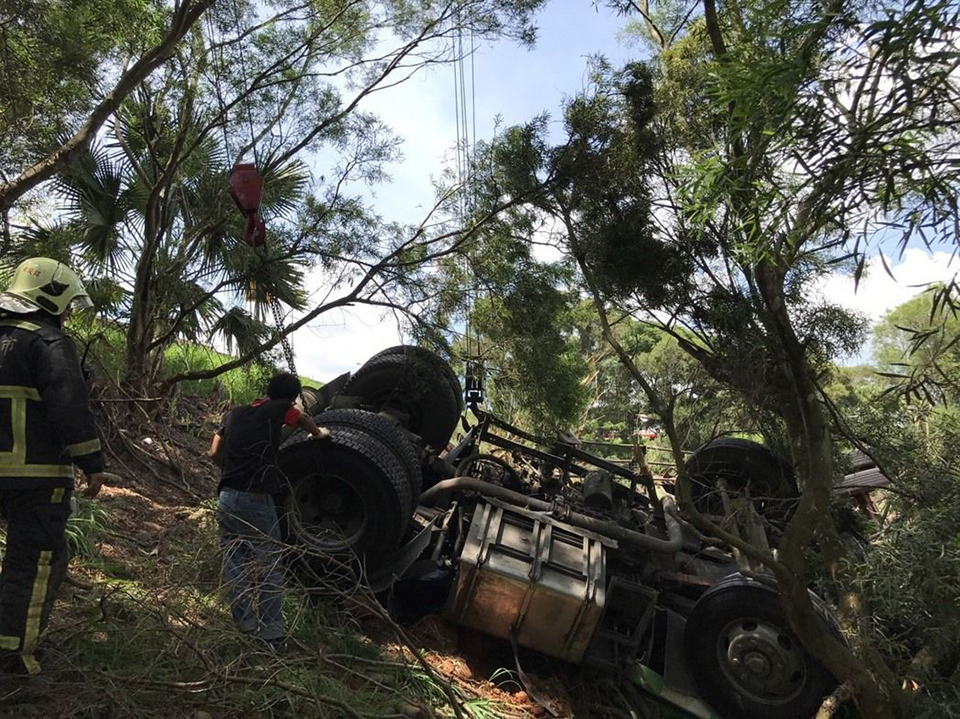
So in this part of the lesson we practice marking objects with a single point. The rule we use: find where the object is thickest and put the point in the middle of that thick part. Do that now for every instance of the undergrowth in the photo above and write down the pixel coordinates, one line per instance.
(160, 644)
(142, 628)
(106, 345)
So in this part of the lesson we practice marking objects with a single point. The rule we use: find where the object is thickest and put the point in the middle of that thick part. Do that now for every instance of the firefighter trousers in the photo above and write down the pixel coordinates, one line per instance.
(34, 565)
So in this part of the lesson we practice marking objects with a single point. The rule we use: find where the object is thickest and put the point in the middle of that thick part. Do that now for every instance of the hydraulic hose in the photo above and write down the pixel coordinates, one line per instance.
(671, 545)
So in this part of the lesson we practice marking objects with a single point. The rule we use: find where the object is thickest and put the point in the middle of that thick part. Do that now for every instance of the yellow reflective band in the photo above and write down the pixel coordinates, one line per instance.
(57, 495)
(29, 326)
(33, 470)
(31, 631)
(15, 391)
(81, 448)
(30, 662)
(11, 643)
(18, 396)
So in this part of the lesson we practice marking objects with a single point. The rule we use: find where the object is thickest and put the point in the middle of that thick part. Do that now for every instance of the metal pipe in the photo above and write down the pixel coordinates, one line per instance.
(671, 545)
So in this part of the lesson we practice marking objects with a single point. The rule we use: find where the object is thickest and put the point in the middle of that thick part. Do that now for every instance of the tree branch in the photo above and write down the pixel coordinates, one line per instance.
(181, 22)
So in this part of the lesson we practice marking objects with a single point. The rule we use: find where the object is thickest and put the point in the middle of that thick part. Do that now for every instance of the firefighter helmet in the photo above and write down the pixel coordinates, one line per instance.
(44, 284)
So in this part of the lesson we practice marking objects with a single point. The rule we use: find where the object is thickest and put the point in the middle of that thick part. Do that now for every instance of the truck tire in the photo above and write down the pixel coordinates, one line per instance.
(413, 387)
(402, 445)
(348, 493)
(425, 355)
(743, 465)
(745, 659)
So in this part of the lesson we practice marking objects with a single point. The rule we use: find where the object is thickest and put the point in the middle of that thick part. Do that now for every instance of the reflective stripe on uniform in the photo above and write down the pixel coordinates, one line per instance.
(31, 630)
(16, 458)
(57, 495)
(34, 470)
(81, 448)
(31, 663)
(20, 324)
(10, 643)
(15, 391)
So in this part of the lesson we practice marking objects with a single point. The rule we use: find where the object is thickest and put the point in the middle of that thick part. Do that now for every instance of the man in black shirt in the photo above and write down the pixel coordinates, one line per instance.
(246, 447)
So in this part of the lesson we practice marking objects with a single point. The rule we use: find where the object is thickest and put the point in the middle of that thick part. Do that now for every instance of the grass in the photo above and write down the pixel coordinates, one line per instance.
(159, 643)
(241, 385)
(84, 526)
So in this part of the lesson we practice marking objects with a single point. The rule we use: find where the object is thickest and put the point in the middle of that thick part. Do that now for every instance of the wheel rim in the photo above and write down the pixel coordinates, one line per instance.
(761, 660)
(328, 511)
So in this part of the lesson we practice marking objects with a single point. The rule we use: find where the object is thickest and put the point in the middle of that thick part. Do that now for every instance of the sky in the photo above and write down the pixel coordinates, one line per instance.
(516, 84)
(512, 82)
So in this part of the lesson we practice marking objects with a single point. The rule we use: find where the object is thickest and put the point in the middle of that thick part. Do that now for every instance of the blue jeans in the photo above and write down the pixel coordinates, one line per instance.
(252, 553)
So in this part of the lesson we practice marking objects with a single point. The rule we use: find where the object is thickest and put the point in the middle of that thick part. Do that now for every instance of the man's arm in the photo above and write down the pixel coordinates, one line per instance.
(215, 448)
(60, 382)
(307, 424)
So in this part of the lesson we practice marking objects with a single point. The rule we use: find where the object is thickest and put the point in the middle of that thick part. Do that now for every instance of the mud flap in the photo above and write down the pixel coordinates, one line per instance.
(401, 561)
(525, 680)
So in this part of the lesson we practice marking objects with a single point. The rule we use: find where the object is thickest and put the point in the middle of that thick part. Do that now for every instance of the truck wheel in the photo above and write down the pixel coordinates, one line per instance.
(425, 355)
(402, 445)
(743, 466)
(308, 400)
(746, 661)
(347, 493)
(413, 387)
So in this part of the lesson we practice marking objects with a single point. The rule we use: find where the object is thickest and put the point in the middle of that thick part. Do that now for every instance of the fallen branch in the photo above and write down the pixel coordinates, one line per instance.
(75, 581)
(840, 696)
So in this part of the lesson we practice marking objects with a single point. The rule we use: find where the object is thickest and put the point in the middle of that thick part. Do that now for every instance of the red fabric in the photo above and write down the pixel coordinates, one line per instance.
(291, 417)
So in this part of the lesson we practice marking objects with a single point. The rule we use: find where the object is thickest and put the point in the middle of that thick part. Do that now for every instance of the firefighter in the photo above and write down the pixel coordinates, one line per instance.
(46, 426)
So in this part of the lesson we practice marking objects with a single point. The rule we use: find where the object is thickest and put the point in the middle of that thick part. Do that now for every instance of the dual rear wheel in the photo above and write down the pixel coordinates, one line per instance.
(356, 491)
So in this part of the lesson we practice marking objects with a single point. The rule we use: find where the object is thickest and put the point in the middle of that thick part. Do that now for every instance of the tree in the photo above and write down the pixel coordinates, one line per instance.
(530, 355)
(148, 207)
(704, 193)
(80, 43)
(918, 345)
(811, 147)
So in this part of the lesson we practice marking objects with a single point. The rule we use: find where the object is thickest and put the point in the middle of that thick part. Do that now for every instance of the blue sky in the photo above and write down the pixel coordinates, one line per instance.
(513, 82)
(517, 84)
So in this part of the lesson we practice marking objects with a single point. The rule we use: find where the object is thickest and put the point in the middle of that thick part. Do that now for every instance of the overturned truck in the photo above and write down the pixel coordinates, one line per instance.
(548, 546)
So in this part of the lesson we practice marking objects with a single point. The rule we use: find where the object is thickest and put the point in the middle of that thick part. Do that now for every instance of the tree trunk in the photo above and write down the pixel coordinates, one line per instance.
(809, 431)
(138, 374)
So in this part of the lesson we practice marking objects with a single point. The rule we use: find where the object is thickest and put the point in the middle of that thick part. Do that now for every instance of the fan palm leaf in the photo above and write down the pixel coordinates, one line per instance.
(240, 330)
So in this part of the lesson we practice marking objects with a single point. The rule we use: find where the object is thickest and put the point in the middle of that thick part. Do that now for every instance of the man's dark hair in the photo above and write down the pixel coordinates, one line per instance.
(284, 386)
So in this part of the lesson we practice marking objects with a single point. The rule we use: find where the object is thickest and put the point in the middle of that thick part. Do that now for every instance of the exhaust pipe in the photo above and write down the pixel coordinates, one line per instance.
(671, 545)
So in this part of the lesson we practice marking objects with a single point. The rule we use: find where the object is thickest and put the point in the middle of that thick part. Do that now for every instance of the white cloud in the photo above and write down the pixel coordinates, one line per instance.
(878, 292)
(343, 339)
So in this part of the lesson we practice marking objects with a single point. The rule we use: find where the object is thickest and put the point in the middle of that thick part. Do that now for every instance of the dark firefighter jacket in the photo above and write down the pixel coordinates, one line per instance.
(45, 419)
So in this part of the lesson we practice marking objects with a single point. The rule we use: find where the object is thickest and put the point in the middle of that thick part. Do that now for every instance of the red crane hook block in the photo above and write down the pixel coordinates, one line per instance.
(246, 189)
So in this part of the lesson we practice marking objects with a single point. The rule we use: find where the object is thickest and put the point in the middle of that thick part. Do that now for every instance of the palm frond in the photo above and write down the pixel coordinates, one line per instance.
(273, 276)
(240, 330)
(284, 187)
(107, 296)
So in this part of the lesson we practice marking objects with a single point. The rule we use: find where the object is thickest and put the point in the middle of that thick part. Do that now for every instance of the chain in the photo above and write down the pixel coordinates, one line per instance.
(285, 341)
